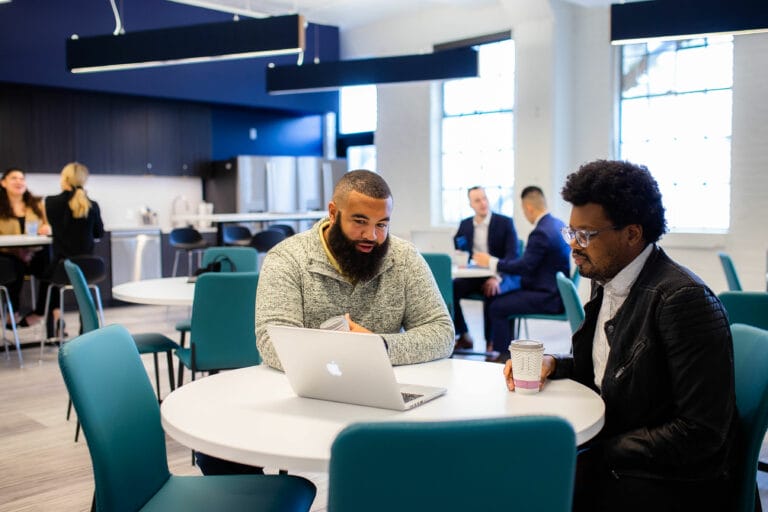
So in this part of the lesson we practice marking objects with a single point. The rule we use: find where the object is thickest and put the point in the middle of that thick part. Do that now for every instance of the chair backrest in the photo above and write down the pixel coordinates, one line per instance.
(749, 308)
(118, 410)
(233, 234)
(440, 264)
(93, 268)
(88, 313)
(750, 361)
(184, 236)
(523, 463)
(574, 310)
(576, 277)
(263, 241)
(246, 259)
(223, 321)
(285, 228)
(730, 272)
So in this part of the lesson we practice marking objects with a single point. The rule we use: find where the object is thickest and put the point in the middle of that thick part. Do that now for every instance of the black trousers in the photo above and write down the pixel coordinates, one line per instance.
(597, 488)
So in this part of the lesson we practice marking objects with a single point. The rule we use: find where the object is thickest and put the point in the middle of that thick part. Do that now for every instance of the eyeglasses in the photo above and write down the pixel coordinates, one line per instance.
(582, 236)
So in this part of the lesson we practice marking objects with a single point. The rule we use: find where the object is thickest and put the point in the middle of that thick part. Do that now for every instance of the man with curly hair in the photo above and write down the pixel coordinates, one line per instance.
(655, 344)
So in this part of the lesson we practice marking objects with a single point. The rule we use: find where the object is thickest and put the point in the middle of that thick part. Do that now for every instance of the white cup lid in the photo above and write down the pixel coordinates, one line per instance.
(526, 345)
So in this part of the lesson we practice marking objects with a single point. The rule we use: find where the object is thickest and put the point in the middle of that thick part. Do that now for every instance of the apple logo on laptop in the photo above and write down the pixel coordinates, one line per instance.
(333, 369)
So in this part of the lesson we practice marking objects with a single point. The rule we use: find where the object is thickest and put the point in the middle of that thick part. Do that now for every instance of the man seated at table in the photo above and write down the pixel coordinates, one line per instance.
(486, 232)
(349, 264)
(655, 344)
(546, 254)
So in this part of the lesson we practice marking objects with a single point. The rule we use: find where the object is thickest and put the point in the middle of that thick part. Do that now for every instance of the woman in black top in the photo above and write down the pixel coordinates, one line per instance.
(75, 221)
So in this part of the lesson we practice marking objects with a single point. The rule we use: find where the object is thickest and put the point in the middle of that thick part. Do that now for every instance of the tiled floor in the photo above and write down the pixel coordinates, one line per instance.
(42, 469)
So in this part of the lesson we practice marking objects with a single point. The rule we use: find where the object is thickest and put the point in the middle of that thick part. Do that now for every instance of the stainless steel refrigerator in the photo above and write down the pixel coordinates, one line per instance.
(281, 184)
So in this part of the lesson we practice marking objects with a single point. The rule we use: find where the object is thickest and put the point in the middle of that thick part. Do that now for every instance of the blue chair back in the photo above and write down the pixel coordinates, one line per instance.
(750, 361)
(749, 308)
(523, 463)
(440, 265)
(119, 414)
(574, 310)
(730, 272)
(246, 259)
(89, 315)
(263, 241)
(224, 321)
(236, 235)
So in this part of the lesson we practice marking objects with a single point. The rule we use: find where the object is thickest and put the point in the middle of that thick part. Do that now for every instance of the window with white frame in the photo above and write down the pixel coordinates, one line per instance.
(477, 134)
(676, 119)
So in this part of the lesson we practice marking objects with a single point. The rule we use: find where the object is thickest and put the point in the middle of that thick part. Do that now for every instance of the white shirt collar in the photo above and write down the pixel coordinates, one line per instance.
(486, 221)
(623, 281)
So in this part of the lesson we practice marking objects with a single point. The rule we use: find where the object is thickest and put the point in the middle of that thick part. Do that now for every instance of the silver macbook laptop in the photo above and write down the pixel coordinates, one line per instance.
(347, 367)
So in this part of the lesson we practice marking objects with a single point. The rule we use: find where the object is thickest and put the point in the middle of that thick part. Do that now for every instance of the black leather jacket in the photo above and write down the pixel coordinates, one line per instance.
(668, 386)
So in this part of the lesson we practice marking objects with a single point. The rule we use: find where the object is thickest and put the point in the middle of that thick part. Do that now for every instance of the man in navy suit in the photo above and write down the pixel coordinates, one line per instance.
(546, 254)
(485, 232)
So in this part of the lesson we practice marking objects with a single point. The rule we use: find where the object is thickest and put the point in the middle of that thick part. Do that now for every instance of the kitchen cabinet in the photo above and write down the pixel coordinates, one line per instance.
(42, 129)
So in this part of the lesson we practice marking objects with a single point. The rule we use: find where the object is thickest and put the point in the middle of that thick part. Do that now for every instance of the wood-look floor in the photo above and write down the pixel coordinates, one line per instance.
(43, 469)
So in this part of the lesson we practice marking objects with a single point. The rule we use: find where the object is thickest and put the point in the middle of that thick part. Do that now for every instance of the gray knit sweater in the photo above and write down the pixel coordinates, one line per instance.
(298, 286)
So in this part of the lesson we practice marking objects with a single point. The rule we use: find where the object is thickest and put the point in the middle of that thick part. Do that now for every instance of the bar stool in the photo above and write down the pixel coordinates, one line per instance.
(186, 240)
(94, 269)
(237, 235)
(7, 275)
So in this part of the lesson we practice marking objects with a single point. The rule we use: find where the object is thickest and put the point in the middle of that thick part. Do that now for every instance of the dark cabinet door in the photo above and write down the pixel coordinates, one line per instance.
(15, 127)
(53, 142)
(128, 135)
(93, 133)
(163, 150)
(195, 140)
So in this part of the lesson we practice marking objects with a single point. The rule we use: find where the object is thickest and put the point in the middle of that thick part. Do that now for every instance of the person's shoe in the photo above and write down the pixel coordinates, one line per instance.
(464, 342)
(502, 358)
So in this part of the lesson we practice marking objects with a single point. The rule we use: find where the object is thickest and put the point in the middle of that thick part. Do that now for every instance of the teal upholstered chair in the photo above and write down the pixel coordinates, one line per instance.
(147, 343)
(730, 272)
(440, 265)
(574, 310)
(523, 463)
(245, 259)
(749, 308)
(223, 333)
(121, 421)
(750, 360)
(522, 320)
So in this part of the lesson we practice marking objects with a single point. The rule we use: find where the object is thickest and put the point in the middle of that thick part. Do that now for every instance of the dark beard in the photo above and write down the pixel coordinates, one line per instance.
(358, 266)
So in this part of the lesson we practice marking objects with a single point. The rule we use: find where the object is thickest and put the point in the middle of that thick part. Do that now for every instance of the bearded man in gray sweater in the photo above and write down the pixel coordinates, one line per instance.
(348, 264)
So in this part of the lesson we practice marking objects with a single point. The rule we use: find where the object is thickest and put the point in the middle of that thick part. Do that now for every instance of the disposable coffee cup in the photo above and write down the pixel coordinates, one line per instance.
(526, 356)
(460, 258)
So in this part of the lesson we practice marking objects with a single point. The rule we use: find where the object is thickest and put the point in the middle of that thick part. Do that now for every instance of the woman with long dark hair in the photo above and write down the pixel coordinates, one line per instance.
(20, 211)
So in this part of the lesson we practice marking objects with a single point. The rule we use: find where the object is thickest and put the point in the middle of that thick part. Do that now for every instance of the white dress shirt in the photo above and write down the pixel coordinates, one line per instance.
(480, 238)
(615, 293)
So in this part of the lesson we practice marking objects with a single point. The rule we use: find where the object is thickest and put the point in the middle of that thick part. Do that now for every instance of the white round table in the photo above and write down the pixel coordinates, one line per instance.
(252, 416)
(460, 272)
(166, 291)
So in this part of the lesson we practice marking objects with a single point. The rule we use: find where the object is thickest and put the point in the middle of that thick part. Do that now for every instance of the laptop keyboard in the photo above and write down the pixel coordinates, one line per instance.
(408, 397)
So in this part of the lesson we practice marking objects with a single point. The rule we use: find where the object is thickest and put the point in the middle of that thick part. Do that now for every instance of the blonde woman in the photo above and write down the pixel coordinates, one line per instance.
(76, 223)
(19, 211)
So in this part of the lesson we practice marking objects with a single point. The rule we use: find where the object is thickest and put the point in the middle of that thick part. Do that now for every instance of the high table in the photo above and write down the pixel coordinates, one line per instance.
(252, 416)
(24, 240)
(166, 291)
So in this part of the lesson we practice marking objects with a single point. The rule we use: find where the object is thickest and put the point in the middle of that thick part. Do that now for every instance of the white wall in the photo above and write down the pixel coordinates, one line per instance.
(565, 109)
(121, 197)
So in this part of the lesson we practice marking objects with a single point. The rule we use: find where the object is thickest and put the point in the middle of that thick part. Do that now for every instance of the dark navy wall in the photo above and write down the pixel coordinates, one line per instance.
(33, 35)
(276, 134)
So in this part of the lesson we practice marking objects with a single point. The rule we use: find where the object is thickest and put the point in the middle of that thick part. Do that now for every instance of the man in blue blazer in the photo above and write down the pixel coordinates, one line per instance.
(495, 235)
(546, 254)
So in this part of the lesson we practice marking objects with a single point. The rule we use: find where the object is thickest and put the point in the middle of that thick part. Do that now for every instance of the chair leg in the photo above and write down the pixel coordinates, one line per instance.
(762, 466)
(157, 375)
(175, 263)
(9, 306)
(69, 409)
(189, 262)
(180, 379)
(77, 430)
(46, 312)
(169, 354)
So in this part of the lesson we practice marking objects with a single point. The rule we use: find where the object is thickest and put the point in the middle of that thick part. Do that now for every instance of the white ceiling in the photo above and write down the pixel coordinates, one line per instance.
(346, 13)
